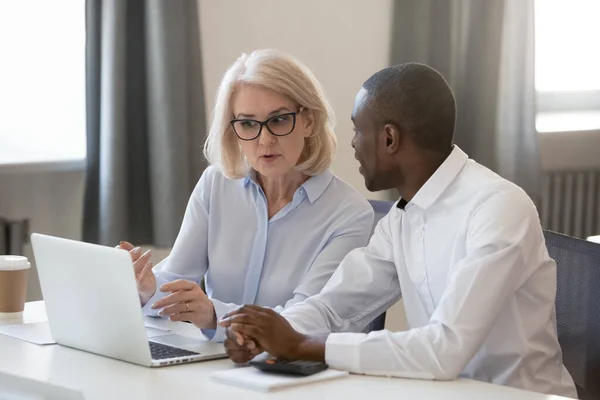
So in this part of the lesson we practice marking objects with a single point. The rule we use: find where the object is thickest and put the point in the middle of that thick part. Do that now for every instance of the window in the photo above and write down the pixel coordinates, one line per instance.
(567, 74)
(42, 81)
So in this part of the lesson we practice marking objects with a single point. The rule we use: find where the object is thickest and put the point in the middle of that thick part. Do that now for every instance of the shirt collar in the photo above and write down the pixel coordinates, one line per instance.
(314, 186)
(251, 177)
(441, 179)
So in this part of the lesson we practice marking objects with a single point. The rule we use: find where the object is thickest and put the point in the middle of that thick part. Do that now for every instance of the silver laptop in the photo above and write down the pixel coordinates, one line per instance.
(93, 305)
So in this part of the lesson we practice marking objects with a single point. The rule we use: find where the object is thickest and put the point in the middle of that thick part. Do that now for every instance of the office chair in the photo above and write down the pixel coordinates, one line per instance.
(578, 309)
(381, 208)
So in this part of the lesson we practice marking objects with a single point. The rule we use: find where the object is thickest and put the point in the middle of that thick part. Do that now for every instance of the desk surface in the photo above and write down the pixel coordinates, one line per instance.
(595, 239)
(103, 378)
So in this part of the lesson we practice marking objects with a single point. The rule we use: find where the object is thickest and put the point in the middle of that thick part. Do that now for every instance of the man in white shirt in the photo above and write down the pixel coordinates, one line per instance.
(462, 246)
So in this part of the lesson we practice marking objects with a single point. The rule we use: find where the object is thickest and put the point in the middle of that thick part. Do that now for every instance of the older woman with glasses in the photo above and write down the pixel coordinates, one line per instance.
(268, 222)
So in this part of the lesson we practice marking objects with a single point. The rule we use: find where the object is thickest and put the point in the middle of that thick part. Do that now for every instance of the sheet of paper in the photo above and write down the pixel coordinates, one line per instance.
(151, 332)
(158, 323)
(254, 379)
(37, 333)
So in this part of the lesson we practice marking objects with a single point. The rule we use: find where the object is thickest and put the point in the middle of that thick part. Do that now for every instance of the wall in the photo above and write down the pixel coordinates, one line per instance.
(342, 41)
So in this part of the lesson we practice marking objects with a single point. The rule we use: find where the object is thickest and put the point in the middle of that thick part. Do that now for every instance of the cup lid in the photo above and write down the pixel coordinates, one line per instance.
(13, 263)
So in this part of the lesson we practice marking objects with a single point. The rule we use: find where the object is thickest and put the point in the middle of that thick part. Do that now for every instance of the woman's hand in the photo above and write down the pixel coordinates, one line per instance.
(142, 266)
(187, 302)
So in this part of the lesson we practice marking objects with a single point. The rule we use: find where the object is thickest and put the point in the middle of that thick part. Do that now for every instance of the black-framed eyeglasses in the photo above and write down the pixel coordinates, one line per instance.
(278, 125)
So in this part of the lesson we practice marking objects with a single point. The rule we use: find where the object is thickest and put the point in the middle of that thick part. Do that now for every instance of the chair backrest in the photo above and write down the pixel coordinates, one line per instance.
(578, 308)
(381, 208)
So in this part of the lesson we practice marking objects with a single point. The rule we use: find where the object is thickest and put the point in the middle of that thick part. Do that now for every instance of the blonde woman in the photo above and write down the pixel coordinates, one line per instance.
(268, 223)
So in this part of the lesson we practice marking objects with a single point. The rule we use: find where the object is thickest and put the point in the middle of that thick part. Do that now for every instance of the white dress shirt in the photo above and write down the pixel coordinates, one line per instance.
(247, 258)
(468, 255)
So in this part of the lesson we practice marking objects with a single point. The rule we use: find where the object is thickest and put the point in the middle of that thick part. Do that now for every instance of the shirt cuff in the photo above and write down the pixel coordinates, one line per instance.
(342, 351)
(147, 309)
(218, 335)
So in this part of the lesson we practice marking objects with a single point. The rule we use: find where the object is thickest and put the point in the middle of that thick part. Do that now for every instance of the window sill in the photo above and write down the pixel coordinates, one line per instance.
(15, 166)
(572, 121)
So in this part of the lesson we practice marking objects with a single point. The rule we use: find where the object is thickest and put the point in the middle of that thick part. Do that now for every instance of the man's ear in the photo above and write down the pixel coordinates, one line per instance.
(392, 138)
(309, 124)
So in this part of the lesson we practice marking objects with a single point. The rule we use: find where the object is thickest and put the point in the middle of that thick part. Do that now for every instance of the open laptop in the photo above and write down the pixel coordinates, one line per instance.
(93, 305)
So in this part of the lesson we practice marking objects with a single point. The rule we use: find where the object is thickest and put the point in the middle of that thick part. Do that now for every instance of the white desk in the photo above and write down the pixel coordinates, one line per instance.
(595, 239)
(103, 378)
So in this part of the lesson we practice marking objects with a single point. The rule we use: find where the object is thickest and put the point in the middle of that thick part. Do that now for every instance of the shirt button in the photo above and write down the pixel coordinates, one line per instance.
(301, 191)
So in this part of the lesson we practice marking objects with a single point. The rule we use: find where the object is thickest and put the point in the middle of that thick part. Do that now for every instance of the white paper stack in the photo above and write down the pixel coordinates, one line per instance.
(252, 378)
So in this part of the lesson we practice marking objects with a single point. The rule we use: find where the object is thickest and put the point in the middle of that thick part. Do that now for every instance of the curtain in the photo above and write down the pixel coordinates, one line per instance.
(485, 49)
(145, 119)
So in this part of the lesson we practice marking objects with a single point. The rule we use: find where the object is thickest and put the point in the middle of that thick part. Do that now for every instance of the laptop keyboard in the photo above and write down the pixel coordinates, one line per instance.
(162, 351)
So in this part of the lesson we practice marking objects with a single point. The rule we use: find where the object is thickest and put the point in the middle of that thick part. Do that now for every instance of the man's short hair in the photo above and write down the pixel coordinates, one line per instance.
(417, 99)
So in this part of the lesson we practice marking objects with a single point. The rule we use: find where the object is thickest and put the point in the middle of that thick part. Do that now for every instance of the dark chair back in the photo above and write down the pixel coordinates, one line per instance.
(381, 208)
(578, 309)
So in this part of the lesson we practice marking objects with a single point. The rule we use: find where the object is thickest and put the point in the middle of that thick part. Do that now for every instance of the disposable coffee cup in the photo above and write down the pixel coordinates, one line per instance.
(13, 286)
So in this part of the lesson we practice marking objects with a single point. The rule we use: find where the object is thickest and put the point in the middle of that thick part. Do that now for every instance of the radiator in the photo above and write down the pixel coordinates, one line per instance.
(570, 202)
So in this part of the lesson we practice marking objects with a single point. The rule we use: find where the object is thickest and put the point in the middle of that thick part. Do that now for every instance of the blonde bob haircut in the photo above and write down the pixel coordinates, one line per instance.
(283, 74)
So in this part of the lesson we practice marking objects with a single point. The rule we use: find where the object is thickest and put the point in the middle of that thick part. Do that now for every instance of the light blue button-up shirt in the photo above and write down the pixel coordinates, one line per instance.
(247, 258)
